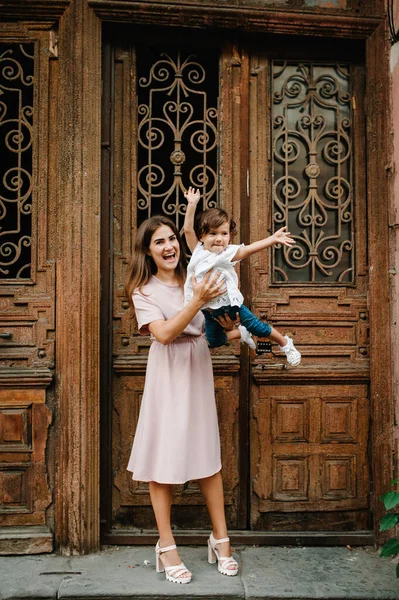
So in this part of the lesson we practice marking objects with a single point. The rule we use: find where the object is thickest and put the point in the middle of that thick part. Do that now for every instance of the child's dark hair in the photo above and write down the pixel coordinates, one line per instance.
(211, 219)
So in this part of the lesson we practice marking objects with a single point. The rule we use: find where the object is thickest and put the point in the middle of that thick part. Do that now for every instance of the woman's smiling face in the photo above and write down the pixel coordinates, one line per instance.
(164, 249)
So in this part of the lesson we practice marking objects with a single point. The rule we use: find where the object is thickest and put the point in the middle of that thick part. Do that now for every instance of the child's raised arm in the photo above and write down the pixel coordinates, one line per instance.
(192, 196)
(279, 237)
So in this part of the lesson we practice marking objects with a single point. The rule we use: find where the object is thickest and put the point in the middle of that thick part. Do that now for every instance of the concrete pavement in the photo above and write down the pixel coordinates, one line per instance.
(273, 573)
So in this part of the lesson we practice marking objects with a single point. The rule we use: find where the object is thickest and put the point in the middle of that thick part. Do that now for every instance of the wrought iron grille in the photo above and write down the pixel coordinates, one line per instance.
(177, 130)
(16, 114)
(312, 172)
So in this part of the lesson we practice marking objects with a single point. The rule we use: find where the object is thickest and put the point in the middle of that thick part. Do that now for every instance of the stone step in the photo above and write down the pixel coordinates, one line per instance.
(275, 573)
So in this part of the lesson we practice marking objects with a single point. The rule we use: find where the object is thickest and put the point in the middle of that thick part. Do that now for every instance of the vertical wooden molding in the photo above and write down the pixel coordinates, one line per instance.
(382, 409)
(245, 284)
(78, 280)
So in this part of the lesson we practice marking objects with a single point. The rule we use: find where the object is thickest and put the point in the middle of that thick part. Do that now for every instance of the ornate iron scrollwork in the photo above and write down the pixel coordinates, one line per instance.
(177, 131)
(312, 173)
(16, 113)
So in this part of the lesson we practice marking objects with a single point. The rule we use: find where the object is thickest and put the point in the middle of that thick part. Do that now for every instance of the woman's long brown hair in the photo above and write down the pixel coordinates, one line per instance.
(142, 266)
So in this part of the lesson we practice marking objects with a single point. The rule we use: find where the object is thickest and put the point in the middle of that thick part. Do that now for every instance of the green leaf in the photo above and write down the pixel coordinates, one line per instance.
(390, 499)
(388, 521)
(393, 482)
(397, 570)
(390, 548)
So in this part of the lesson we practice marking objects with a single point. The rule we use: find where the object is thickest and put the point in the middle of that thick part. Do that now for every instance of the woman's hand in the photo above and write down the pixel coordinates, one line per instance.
(192, 196)
(281, 236)
(209, 288)
(227, 323)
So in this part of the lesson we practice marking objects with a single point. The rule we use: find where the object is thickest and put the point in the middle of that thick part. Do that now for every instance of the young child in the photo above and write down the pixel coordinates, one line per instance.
(209, 243)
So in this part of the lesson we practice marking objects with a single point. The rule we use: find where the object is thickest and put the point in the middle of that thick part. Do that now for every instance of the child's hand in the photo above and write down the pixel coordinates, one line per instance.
(192, 196)
(282, 237)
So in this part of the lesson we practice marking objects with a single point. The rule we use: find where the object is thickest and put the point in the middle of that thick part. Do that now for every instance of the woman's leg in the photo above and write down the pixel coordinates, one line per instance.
(212, 490)
(161, 500)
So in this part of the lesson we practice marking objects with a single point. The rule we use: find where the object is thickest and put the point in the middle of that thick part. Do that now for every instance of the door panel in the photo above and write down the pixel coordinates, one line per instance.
(147, 179)
(310, 424)
(311, 444)
(28, 291)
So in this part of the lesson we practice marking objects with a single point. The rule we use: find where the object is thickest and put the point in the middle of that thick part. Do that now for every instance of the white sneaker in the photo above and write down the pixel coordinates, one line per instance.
(292, 354)
(246, 337)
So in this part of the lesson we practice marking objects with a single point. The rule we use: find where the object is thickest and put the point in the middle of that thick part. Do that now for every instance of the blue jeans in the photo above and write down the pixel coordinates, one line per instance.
(215, 334)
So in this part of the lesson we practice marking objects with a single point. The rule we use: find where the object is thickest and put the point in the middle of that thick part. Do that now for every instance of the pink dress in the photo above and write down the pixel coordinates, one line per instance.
(177, 435)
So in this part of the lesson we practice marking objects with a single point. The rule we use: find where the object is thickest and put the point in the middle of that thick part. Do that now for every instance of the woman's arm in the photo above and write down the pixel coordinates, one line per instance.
(192, 198)
(279, 237)
(168, 330)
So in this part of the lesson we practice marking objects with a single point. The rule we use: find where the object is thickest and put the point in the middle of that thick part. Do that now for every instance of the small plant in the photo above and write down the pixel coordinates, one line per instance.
(390, 500)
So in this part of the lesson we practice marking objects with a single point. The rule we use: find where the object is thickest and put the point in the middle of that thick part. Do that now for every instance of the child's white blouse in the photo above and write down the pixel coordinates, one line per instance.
(202, 261)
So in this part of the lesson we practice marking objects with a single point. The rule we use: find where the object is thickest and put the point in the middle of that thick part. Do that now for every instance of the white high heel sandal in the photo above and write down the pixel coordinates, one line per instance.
(227, 565)
(173, 573)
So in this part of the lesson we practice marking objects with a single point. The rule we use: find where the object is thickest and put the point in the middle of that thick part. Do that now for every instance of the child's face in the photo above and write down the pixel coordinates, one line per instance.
(217, 239)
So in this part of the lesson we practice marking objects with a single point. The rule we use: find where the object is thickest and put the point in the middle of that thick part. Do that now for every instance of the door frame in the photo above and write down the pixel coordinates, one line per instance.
(382, 466)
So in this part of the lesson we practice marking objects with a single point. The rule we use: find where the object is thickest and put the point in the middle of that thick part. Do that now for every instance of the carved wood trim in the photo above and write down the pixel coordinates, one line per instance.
(25, 378)
(250, 17)
(136, 365)
(46, 10)
(382, 397)
(324, 505)
(271, 374)
(78, 280)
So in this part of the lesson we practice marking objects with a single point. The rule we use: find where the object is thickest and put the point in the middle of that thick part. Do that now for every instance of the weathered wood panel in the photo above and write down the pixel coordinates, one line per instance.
(308, 439)
(27, 324)
(311, 451)
(24, 488)
(384, 468)
(78, 280)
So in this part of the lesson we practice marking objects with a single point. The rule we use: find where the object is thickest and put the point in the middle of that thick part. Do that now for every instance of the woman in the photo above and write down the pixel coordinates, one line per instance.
(177, 435)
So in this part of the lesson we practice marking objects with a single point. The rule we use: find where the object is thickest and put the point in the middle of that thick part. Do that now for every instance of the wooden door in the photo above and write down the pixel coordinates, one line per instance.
(161, 134)
(310, 425)
(27, 294)
(274, 142)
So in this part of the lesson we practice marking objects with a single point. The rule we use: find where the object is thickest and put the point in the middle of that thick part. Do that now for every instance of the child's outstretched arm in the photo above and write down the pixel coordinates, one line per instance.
(279, 237)
(192, 196)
